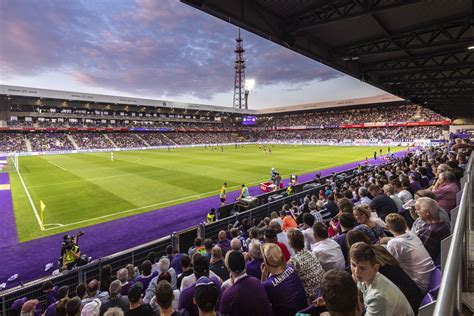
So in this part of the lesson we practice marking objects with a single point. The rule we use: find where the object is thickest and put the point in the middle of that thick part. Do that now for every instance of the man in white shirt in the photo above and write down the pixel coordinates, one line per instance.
(408, 249)
(281, 235)
(326, 249)
(403, 194)
(308, 222)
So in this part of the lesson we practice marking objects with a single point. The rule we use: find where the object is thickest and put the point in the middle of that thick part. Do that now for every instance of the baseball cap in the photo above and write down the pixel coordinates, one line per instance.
(236, 261)
(18, 304)
(205, 294)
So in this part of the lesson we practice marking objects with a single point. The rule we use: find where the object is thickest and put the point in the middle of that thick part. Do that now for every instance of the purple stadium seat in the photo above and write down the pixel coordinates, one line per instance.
(427, 299)
(435, 282)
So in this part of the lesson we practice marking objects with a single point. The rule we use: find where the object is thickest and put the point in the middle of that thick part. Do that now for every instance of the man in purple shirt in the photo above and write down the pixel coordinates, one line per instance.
(247, 295)
(61, 293)
(281, 282)
(434, 230)
(201, 269)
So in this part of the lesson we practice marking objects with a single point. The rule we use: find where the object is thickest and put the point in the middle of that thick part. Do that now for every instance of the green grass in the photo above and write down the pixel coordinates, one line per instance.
(85, 189)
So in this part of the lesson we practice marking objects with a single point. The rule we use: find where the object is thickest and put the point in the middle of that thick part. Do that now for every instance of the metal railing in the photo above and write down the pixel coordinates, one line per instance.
(455, 274)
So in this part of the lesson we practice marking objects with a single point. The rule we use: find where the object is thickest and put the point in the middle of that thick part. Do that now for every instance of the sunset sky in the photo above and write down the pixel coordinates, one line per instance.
(153, 49)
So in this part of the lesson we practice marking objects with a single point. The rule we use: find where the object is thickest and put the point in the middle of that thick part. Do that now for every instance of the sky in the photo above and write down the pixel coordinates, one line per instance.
(159, 49)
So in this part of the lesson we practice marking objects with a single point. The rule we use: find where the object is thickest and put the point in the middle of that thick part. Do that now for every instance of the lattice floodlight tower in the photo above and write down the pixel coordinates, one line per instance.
(240, 100)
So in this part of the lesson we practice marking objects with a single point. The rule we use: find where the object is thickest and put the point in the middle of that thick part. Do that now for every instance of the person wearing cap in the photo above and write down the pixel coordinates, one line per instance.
(281, 282)
(115, 299)
(205, 296)
(236, 299)
(137, 307)
(201, 269)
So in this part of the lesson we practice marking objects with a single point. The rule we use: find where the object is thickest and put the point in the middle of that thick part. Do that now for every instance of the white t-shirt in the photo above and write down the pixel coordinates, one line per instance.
(405, 196)
(189, 280)
(308, 238)
(329, 254)
(408, 249)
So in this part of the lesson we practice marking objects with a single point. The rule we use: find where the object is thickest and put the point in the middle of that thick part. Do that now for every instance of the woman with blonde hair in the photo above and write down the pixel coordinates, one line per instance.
(367, 225)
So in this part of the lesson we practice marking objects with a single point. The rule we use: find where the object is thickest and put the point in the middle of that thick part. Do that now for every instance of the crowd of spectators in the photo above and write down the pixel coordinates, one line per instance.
(49, 141)
(12, 142)
(341, 134)
(371, 243)
(89, 140)
(96, 140)
(126, 140)
(156, 139)
(404, 113)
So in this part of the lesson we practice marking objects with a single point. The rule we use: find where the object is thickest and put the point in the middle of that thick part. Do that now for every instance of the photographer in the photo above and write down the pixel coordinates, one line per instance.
(70, 252)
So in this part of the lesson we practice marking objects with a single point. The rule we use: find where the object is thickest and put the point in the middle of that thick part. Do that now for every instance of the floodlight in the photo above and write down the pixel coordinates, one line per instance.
(249, 84)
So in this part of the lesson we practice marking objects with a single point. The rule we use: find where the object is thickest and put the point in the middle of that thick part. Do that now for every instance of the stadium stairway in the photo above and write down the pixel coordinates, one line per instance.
(143, 141)
(111, 141)
(73, 141)
(172, 141)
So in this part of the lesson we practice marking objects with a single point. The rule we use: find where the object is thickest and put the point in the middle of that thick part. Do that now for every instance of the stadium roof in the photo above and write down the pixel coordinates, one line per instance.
(417, 50)
(383, 98)
(99, 98)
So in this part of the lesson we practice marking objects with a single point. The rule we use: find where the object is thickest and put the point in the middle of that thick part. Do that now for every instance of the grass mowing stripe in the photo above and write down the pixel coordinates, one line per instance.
(38, 219)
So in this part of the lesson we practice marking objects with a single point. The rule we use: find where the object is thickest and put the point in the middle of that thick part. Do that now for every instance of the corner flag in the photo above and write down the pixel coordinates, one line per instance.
(42, 207)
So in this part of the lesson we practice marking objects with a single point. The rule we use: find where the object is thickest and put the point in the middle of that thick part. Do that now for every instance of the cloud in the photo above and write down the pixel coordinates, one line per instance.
(146, 47)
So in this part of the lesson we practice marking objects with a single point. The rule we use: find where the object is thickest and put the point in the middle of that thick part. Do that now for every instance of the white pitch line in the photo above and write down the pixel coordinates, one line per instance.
(180, 199)
(31, 201)
(56, 165)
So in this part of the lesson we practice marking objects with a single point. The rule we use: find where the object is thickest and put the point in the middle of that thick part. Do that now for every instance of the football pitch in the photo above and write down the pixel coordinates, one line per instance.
(84, 189)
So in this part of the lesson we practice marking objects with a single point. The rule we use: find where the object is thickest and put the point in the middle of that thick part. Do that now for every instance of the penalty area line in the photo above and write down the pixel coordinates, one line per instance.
(56, 165)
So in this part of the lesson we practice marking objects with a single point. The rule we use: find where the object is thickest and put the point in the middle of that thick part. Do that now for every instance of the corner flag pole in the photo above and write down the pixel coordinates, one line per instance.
(42, 207)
